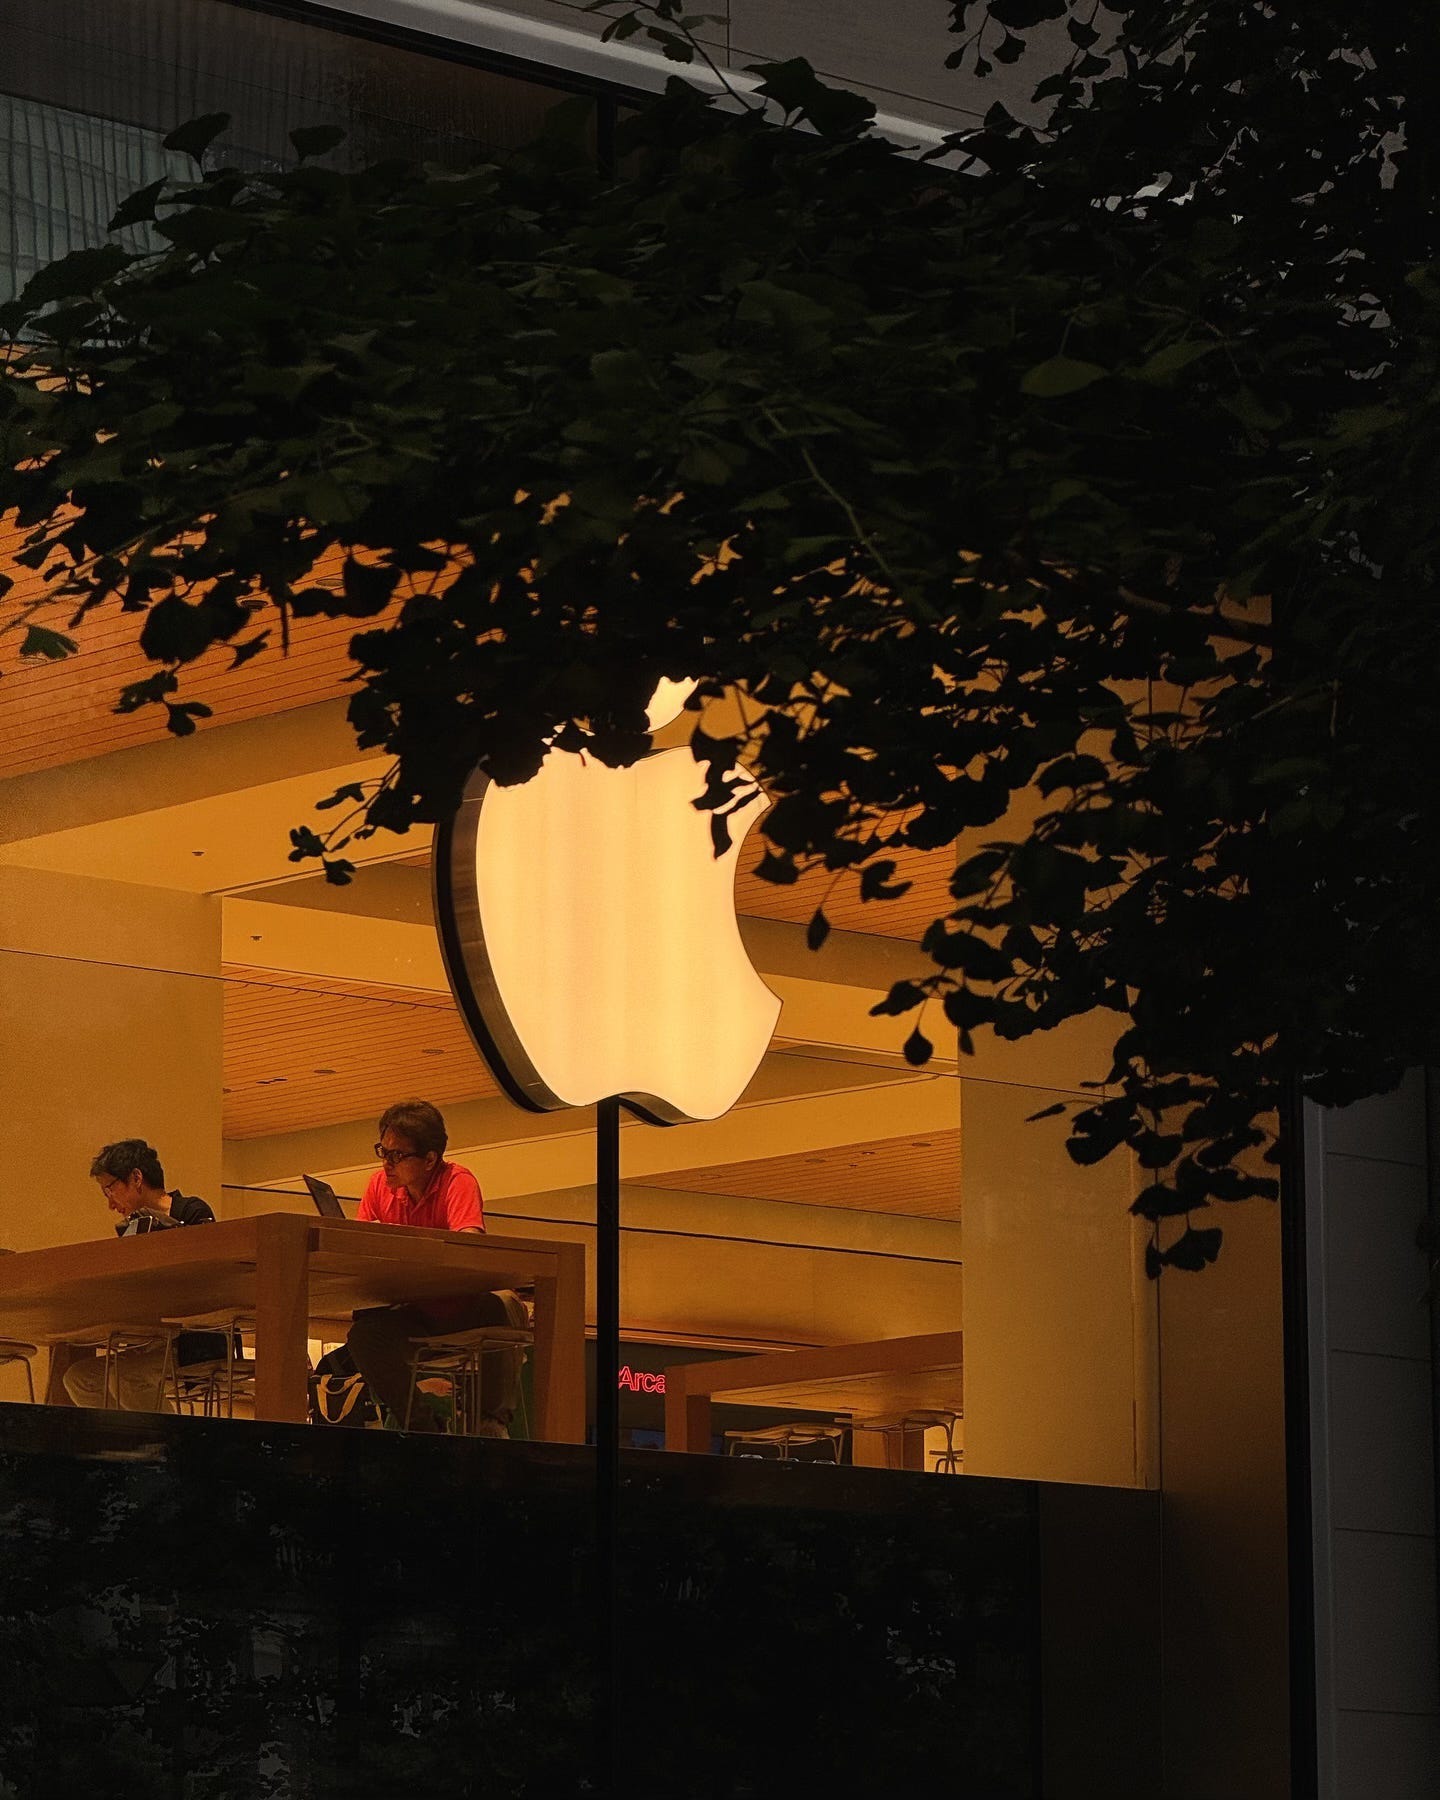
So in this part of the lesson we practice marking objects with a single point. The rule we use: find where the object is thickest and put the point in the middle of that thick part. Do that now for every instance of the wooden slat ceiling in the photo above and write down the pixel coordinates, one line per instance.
(302, 1051)
(61, 712)
(916, 1176)
(904, 917)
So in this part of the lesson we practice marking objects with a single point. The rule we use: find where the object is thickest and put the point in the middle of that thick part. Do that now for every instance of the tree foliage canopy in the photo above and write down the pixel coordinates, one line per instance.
(1092, 460)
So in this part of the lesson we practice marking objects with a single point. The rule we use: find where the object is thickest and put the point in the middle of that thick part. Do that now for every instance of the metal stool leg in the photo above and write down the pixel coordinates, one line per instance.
(110, 1355)
(170, 1372)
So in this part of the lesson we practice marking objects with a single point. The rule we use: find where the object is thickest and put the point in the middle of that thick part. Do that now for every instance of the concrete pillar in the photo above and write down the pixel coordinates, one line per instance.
(1059, 1321)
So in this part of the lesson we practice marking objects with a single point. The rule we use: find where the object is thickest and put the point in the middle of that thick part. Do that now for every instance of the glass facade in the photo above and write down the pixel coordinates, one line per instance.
(163, 972)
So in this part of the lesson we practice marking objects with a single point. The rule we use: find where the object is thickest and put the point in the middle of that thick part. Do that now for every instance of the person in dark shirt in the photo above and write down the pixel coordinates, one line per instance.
(132, 1180)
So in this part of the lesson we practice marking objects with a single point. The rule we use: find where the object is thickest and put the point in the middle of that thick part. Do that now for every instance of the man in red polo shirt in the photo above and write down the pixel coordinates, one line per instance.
(415, 1185)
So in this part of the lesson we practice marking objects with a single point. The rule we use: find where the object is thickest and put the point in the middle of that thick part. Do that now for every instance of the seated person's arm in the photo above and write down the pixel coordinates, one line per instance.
(369, 1212)
(465, 1211)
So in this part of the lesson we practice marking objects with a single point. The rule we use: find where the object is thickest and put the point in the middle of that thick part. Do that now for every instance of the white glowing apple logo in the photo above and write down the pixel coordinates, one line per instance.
(590, 935)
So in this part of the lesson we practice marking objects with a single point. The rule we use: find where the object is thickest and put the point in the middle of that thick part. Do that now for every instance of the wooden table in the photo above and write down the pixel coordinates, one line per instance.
(887, 1378)
(288, 1269)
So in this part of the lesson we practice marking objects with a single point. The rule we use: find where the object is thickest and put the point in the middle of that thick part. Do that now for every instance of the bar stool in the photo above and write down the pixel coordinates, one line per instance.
(112, 1341)
(782, 1439)
(459, 1356)
(940, 1418)
(13, 1350)
(220, 1377)
(893, 1431)
(920, 1420)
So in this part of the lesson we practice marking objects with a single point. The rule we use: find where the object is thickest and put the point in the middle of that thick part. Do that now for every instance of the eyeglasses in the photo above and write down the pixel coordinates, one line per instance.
(395, 1156)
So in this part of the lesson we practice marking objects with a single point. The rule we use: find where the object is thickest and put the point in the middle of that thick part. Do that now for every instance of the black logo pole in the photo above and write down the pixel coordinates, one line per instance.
(607, 1439)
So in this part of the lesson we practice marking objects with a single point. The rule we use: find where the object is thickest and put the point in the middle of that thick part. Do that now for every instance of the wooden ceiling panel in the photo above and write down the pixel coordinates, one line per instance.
(59, 712)
(301, 1051)
(916, 1176)
(906, 916)
(63, 711)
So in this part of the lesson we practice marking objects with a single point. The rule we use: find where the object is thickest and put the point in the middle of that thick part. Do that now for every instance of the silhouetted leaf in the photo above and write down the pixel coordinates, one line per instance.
(40, 641)
(793, 85)
(1058, 376)
(245, 652)
(1193, 1250)
(353, 791)
(195, 137)
(180, 716)
(903, 997)
(918, 1048)
(778, 868)
(316, 140)
(137, 208)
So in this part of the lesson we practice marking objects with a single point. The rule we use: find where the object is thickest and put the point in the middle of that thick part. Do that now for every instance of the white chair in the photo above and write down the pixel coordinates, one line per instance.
(13, 1350)
(111, 1341)
(783, 1439)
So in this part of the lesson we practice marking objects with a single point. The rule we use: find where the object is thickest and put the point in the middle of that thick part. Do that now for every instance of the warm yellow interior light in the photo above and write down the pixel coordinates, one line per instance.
(602, 949)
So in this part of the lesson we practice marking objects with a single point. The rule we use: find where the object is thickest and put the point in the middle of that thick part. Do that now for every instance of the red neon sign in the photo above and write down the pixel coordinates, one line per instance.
(641, 1381)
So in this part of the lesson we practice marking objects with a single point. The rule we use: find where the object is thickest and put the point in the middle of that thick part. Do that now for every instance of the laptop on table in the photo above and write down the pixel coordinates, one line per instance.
(327, 1201)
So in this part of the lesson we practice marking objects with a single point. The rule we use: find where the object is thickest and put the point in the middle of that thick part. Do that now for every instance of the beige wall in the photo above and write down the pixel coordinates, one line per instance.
(1079, 1369)
(1058, 1323)
(110, 1026)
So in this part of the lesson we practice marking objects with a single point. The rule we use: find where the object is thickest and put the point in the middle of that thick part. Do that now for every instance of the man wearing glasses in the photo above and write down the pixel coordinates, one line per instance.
(415, 1185)
(132, 1180)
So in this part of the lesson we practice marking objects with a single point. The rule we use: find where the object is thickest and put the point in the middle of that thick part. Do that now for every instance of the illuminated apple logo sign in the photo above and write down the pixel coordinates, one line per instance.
(590, 935)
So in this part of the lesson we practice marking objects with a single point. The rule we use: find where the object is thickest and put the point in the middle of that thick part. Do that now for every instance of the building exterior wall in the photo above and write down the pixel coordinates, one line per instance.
(1377, 1681)
(1080, 1371)
(1223, 1477)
